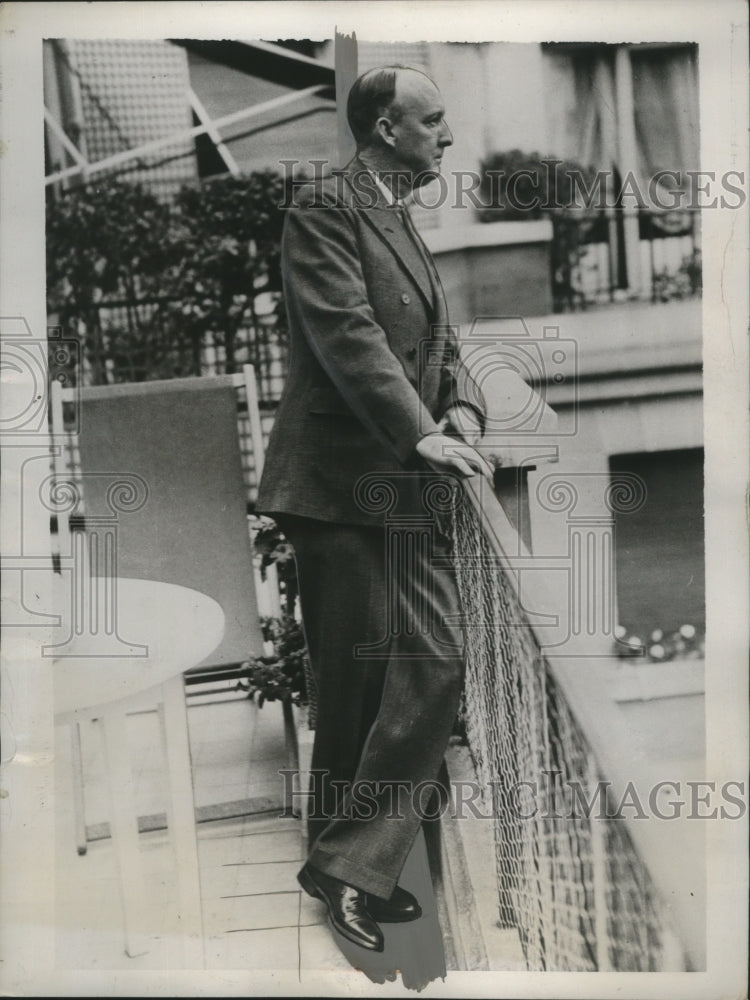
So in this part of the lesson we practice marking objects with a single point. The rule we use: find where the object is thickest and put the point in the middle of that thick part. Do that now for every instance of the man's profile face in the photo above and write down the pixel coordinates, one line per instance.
(420, 130)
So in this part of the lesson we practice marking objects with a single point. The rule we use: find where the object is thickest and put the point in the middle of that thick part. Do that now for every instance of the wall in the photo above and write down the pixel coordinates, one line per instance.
(504, 280)
(631, 402)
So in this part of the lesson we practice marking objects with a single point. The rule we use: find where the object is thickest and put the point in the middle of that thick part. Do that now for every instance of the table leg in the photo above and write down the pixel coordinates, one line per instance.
(79, 803)
(181, 819)
(124, 829)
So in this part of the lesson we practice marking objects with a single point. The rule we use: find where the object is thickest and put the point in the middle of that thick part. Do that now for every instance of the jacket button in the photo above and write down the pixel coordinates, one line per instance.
(406, 299)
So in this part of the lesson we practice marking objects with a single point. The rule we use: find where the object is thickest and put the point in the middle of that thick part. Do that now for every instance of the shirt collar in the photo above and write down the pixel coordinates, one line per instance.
(389, 195)
(386, 191)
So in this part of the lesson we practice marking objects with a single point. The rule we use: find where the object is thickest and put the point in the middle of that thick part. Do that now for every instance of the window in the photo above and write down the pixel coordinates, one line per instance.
(659, 548)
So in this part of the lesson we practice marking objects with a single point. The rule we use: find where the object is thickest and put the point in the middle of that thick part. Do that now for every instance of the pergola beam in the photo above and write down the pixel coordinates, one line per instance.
(215, 136)
(346, 61)
(177, 137)
(65, 139)
(263, 60)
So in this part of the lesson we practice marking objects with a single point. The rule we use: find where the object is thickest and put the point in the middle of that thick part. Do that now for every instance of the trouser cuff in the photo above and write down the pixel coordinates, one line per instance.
(353, 873)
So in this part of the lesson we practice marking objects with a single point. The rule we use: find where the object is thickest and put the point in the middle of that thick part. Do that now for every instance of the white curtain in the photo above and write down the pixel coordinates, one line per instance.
(573, 119)
(665, 87)
(581, 88)
(665, 90)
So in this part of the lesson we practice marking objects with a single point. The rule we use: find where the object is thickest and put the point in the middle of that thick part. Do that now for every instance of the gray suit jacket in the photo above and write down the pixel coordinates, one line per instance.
(373, 365)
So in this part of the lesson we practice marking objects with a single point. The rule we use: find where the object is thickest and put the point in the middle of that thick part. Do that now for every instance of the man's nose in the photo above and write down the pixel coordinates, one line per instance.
(446, 137)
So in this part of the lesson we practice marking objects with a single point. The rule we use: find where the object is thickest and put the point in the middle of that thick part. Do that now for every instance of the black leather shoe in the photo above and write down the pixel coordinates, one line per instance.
(400, 908)
(346, 907)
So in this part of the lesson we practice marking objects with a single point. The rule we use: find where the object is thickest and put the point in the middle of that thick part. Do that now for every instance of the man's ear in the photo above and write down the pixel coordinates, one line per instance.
(384, 128)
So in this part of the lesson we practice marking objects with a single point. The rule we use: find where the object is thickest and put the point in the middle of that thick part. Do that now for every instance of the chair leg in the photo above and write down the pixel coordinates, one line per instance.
(124, 827)
(181, 819)
(79, 803)
(292, 756)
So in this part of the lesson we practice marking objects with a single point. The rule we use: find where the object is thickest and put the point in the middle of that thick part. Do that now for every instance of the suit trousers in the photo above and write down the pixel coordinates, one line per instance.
(380, 613)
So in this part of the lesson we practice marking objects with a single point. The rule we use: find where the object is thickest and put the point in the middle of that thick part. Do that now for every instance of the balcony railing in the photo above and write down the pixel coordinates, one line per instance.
(588, 889)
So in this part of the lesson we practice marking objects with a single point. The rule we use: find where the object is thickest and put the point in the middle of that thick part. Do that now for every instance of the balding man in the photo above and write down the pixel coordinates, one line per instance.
(369, 417)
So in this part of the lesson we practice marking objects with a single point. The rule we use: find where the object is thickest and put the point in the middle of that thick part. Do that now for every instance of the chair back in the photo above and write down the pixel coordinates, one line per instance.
(173, 448)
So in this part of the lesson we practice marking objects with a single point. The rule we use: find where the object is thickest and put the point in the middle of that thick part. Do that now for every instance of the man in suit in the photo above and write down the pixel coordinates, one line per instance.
(373, 405)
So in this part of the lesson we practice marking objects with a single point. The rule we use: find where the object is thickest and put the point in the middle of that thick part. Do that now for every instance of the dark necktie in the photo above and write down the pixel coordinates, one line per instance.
(419, 243)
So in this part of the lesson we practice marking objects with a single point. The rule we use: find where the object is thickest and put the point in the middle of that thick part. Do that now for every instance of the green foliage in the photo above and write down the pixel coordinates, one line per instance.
(142, 283)
(685, 643)
(280, 676)
(270, 543)
(109, 241)
(100, 238)
(687, 281)
(231, 236)
(520, 186)
(550, 188)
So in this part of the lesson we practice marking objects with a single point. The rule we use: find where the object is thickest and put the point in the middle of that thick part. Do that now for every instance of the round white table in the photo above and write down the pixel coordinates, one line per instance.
(126, 637)
(125, 645)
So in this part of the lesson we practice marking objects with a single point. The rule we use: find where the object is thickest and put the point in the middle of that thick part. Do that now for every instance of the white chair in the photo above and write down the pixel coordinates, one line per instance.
(152, 484)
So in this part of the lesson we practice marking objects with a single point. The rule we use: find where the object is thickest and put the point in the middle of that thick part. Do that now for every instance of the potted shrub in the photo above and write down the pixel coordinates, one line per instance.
(281, 675)
(518, 186)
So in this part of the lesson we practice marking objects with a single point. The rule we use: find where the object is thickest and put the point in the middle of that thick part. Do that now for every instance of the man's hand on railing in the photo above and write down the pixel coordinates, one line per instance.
(462, 420)
(449, 454)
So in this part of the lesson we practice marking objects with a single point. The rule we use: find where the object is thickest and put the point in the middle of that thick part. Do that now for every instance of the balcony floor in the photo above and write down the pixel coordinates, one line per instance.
(255, 917)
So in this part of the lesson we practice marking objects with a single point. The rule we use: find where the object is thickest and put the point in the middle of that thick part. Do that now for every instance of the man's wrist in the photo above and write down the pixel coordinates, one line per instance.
(467, 411)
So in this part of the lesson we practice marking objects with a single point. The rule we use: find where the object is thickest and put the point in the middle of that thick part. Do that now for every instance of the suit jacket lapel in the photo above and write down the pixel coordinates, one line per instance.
(441, 306)
(383, 218)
